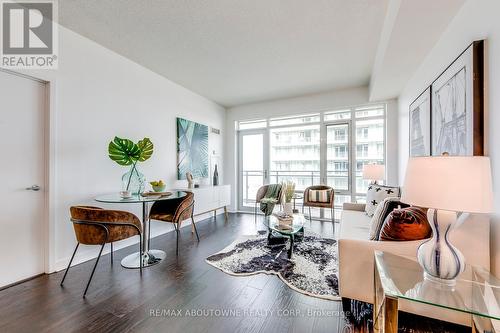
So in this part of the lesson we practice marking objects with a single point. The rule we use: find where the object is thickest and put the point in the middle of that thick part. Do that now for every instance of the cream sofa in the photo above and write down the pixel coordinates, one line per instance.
(356, 258)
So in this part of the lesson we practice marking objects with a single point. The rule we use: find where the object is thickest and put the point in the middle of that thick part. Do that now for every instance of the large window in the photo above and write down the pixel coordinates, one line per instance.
(370, 145)
(321, 148)
(295, 154)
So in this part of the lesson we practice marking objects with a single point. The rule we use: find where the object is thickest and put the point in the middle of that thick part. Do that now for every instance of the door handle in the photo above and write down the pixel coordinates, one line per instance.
(33, 188)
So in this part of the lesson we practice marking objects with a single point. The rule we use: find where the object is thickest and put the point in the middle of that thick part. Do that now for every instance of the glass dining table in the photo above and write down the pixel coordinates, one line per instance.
(149, 256)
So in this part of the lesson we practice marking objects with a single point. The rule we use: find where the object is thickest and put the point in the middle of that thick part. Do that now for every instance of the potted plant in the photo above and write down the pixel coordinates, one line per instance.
(288, 192)
(127, 153)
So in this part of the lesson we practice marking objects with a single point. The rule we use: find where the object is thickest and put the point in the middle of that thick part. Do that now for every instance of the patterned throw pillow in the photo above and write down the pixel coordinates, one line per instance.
(376, 194)
(381, 212)
(406, 224)
(319, 195)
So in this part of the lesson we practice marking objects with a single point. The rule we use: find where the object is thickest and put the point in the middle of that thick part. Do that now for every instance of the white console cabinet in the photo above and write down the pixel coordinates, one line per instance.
(210, 198)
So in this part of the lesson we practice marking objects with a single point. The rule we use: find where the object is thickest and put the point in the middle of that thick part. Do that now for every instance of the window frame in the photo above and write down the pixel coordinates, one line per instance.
(323, 123)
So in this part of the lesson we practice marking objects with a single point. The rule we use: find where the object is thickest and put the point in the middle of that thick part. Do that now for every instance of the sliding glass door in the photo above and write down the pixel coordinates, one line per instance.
(252, 162)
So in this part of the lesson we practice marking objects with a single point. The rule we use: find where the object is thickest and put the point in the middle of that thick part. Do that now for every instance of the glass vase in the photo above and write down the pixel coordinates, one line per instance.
(135, 181)
(288, 208)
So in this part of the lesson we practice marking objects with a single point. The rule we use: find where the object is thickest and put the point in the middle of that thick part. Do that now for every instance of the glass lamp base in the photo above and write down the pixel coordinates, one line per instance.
(445, 282)
(440, 260)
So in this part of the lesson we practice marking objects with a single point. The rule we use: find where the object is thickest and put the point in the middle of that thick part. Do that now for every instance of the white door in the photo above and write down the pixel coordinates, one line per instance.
(22, 169)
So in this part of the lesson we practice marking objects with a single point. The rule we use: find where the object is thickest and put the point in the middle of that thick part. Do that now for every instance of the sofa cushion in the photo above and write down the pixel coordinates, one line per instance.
(376, 194)
(383, 209)
(405, 225)
(319, 195)
(354, 225)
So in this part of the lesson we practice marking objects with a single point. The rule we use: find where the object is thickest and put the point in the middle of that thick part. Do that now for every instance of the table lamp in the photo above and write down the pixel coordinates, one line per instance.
(451, 187)
(373, 172)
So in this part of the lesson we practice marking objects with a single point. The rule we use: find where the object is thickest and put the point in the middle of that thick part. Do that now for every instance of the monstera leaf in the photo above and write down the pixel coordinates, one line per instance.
(123, 151)
(146, 149)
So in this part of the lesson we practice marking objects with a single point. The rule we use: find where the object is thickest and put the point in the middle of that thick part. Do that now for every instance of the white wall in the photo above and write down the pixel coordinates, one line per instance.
(97, 94)
(477, 19)
(301, 105)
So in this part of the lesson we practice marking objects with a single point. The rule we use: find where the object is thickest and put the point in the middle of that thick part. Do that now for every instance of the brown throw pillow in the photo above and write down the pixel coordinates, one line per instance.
(405, 225)
(381, 212)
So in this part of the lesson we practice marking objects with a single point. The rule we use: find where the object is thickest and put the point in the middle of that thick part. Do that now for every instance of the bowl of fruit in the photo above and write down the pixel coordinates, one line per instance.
(158, 186)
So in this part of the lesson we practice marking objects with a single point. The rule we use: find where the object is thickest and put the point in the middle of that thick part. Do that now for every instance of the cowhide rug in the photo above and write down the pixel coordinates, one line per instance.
(311, 271)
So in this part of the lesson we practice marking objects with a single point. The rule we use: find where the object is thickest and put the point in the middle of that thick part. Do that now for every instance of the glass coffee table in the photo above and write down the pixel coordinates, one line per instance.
(279, 231)
(476, 293)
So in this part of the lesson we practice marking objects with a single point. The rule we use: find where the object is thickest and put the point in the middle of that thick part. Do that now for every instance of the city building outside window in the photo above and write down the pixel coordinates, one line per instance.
(294, 150)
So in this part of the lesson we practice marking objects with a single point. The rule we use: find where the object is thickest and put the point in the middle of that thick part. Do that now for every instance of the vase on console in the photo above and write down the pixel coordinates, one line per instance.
(216, 176)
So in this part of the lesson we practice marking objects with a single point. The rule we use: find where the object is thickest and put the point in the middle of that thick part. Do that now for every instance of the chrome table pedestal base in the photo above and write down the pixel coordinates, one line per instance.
(149, 257)
(152, 257)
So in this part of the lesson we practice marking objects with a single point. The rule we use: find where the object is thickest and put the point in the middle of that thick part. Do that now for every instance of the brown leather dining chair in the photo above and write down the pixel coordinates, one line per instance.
(97, 226)
(309, 202)
(175, 211)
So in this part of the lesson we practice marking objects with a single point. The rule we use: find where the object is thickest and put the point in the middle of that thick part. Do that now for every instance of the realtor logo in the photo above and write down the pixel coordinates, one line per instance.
(29, 34)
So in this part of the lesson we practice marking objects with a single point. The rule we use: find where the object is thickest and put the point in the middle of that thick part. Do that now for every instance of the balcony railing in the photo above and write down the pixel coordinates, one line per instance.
(301, 178)
(253, 179)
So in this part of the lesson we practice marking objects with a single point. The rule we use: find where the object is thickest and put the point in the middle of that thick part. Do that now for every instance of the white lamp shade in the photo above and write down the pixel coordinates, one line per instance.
(454, 183)
(373, 172)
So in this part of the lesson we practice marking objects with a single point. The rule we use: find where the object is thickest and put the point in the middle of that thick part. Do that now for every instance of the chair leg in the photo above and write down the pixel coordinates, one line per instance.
(111, 253)
(255, 212)
(310, 216)
(70, 261)
(195, 230)
(140, 254)
(177, 242)
(93, 270)
(149, 234)
(333, 220)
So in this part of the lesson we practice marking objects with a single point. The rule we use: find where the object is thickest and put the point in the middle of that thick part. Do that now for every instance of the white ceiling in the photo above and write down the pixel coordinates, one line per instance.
(411, 29)
(239, 51)
(242, 51)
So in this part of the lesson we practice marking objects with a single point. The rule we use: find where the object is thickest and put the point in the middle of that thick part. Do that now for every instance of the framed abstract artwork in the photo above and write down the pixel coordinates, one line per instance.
(192, 149)
(420, 125)
(457, 106)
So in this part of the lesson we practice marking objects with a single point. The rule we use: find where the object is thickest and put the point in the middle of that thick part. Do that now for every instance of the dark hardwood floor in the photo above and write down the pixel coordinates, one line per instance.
(121, 300)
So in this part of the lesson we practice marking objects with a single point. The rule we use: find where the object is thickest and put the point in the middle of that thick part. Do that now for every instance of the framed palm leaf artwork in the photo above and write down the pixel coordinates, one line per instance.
(192, 149)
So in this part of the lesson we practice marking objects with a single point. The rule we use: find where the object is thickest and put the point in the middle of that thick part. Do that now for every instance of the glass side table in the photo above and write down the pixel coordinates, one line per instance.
(476, 292)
